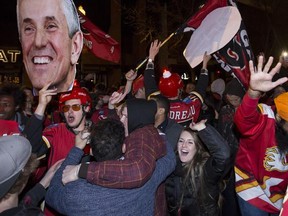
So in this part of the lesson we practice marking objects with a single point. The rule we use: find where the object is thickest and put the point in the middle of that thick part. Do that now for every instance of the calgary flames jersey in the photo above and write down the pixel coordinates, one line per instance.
(187, 110)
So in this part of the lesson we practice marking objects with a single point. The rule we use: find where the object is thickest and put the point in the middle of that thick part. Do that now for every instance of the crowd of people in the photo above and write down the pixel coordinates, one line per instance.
(152, 147)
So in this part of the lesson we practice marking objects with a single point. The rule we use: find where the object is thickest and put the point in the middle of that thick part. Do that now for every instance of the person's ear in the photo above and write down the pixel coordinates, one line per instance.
(161, 111)
(87, 108)
(124, 148)
(77, 45)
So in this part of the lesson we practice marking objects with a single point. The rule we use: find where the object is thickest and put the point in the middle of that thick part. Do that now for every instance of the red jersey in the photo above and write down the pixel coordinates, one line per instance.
(60, 140)
(284, 210)
(187, 110)
(9, 127)
(261, 171)
(100, 114)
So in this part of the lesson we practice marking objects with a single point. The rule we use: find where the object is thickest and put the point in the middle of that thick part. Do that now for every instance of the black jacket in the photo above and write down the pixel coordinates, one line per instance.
(214, 168)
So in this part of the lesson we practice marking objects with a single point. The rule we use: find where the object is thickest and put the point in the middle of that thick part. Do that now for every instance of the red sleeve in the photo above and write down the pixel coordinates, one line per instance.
(247, 118)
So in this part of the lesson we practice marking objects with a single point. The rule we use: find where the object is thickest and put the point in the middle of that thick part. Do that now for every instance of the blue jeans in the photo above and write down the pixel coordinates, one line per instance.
(249, 210)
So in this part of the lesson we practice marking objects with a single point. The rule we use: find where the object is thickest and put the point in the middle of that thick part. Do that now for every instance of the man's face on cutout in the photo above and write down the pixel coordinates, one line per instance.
(46, 45)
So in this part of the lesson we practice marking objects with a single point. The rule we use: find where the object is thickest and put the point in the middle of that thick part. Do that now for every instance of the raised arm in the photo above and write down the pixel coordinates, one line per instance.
(247, 117)
(130, 77)
(203, 80)
(217, 146)
(150, 83)
(34, 127)
(261, 77)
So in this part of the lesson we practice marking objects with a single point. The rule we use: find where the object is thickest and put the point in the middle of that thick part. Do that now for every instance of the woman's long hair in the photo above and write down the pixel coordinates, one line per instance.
(194, 169)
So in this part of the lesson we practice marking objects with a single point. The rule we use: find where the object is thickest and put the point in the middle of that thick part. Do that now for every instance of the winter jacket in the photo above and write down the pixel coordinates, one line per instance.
(213, 169)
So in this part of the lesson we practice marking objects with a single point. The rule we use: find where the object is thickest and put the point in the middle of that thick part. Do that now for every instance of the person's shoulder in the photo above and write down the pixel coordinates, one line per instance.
(55, 127)
(192, 97)
(266, 110)
(142, 133)
(173, 124)
(145, 129)
(23, 210)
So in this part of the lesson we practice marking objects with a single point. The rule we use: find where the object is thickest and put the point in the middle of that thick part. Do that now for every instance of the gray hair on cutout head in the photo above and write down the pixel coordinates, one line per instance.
(70, 12)
(72, 17)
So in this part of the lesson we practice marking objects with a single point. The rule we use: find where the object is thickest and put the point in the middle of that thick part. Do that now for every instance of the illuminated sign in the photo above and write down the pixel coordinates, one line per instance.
(10, 78)
(9, 56)
(10, 65)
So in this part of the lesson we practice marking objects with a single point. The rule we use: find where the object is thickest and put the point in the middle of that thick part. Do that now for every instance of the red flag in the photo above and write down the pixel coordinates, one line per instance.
(98, 42)
(194, 21)
(210, 5)
(216, 30)
(233, 57)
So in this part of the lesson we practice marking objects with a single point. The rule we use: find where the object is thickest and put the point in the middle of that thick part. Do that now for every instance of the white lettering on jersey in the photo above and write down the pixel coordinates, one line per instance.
(11, 134)
(182, 115)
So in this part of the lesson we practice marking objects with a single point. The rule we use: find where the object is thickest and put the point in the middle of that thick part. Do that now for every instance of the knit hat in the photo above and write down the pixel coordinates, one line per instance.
(234, 87)
(15, 151)
(218, 86)
(141, 112)
(281, 103)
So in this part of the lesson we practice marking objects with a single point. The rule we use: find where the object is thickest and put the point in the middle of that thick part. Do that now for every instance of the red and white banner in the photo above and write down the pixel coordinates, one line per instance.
(98, 42)
(214, 32)
(235, 55)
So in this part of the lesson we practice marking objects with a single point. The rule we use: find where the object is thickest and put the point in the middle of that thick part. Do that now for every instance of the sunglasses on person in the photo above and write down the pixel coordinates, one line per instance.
(75, 107)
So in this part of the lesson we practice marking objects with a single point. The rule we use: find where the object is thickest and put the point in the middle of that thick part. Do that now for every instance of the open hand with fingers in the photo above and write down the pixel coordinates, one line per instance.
(261, 77)
(45, 96)
(82, 139)
(154, 49)
(116, 98)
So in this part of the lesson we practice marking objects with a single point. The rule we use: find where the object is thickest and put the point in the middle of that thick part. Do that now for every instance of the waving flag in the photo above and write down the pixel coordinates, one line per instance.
(98, 42)
(214, 32)
(235, 55)
(194, 21)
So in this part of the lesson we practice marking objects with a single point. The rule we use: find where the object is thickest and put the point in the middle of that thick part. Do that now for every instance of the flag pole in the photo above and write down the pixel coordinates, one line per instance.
(165, 41)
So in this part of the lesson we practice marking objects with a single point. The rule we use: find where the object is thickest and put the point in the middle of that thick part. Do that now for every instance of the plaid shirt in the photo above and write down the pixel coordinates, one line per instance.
(144, 147)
